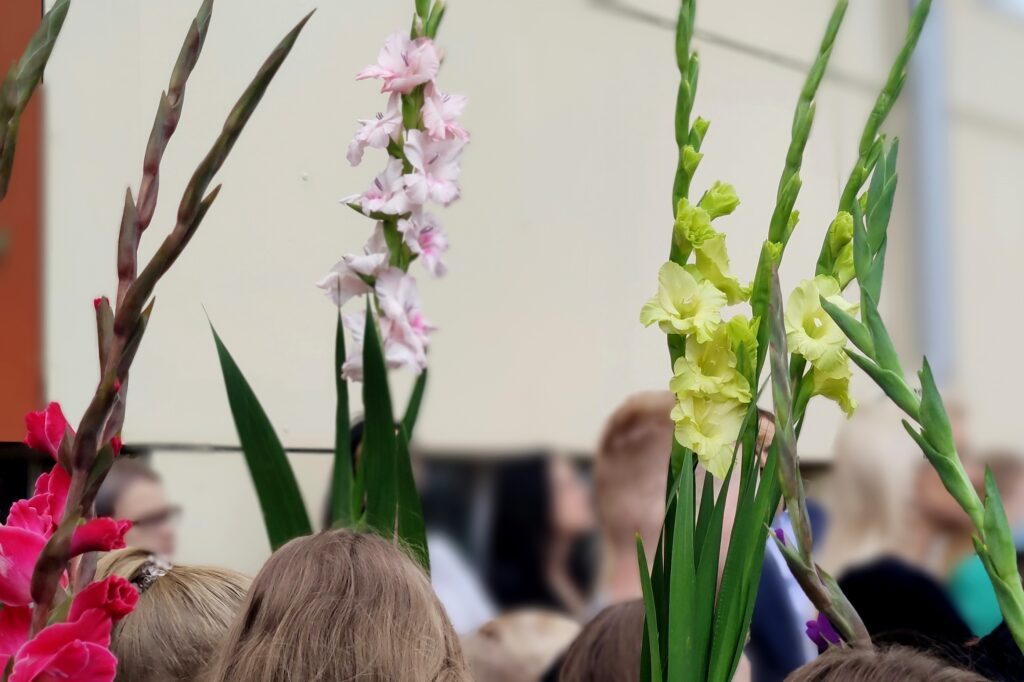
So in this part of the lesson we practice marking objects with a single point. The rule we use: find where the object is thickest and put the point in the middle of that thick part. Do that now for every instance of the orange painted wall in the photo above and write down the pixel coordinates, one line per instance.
(21, 275)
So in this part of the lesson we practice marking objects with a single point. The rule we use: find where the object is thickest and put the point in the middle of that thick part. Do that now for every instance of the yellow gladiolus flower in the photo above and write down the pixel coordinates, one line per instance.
(720, 200)
(693, 226)
(743, 332)
(709, 369)
(709, 428)
(683, 305)
(835, 385)
(840, 247)
(810, 331)
(713, 265)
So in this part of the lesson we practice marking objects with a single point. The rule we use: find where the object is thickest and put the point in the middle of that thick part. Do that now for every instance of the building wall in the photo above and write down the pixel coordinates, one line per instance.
(556, 244)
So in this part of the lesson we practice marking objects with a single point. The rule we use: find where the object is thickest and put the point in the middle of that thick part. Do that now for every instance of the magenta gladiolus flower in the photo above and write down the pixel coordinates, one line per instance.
(403, 63)
(77, 650)
(426, 238)
(441, 113)
(376, 132)
(821, 632)
(781, 535)
(46, 429)
(436, 168)
(115, 596)
(99, 535)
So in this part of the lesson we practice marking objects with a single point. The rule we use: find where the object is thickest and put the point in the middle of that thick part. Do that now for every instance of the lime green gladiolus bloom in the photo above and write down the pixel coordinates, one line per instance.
(683, 305)
(709, 428)
(713, 265)
(709, 369)
(840, 247)
(693, 226)
(834, 384)
(743, 332)
(810, 331)
(720, 200)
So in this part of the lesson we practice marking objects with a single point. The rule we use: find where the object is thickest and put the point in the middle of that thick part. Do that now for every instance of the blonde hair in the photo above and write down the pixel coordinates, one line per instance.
(631, 469)
(182, 616)
(519, 646)
(341, 605)
(868, 665)
(874, 469)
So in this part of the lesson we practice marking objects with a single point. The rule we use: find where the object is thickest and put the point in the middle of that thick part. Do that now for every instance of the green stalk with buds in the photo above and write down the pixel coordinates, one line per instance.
(21, 81)
(928, 422)
(120, 331)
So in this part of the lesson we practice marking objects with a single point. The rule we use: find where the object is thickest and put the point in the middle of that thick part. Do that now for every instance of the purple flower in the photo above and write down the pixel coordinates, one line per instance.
(821, 632)
(781, 535)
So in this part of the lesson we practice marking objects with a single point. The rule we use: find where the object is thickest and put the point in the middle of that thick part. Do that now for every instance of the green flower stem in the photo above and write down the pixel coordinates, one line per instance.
(21, 81)
(870, 143)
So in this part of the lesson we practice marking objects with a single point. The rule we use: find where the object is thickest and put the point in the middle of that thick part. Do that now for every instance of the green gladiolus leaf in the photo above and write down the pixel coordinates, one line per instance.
(411, 527)
(412, 410)
(652, 644)
(683, 584)
(854, 330)
(284, 513)
(998, 538)
(934, 419)
(893, 384)
(885, 353)
(380, 445)
(341, 476)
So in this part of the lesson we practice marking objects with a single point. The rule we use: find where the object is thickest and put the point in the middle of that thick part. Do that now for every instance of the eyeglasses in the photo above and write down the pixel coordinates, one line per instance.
(171, 514)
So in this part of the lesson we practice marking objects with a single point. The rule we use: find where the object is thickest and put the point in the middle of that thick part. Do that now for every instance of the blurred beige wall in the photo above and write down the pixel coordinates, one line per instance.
(556, 244)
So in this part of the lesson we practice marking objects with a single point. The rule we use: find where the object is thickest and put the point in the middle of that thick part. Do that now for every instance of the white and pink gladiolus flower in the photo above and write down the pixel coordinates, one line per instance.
(425, 237)
(435, 168)
(404, 63)
(441, 112)
(378, 131)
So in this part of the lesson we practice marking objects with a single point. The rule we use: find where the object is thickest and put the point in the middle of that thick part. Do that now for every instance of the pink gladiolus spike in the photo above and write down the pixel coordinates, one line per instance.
(116, 445)
(99, 535)
(19, 550)
(55, 486)
(403, 64)
(435, 168)
(441, 114)
(15, 622)
(76, 650)
(115, 595)
(45, 429)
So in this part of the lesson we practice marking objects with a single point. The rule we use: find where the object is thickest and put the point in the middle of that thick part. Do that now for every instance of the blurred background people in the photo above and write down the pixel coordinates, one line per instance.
(876, 665)
(630, 477)
(181, 619)
(519, 646)
(540, 548)
(134, 492)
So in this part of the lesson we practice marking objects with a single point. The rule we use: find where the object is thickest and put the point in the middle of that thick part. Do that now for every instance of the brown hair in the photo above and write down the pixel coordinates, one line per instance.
(631, 469)
(341, 605)
(873, 665)
(519, 646)
(123, 473)
(608, 649)
(183, 615)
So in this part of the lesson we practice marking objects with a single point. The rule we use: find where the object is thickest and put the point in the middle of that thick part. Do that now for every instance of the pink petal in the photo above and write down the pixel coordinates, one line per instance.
(19, 550)
(99, 535)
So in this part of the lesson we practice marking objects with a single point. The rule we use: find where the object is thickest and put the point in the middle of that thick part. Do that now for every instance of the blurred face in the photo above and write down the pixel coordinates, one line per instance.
(154, 519)
(572, 512)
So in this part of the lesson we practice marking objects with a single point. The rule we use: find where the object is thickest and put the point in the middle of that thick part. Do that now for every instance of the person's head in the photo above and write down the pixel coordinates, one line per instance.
(341, 605)
(134, 492)
(519, 646)
(872, 665)
(182, 616)
(874, 472)
(608, 648)
(631, 470)
(540, 517)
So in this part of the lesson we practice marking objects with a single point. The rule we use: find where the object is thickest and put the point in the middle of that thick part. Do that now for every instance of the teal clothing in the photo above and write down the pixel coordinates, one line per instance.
(974, 597)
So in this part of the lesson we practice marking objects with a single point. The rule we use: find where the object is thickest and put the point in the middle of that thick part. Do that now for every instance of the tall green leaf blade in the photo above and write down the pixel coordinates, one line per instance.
(650, 616)
(682, 594)
(412, 410)
(341, 476)
(380, 445)
(284, 513)
(411, 526)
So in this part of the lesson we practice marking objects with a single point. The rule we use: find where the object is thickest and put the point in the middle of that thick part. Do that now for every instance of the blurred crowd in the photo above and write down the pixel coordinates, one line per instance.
(533, 559)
